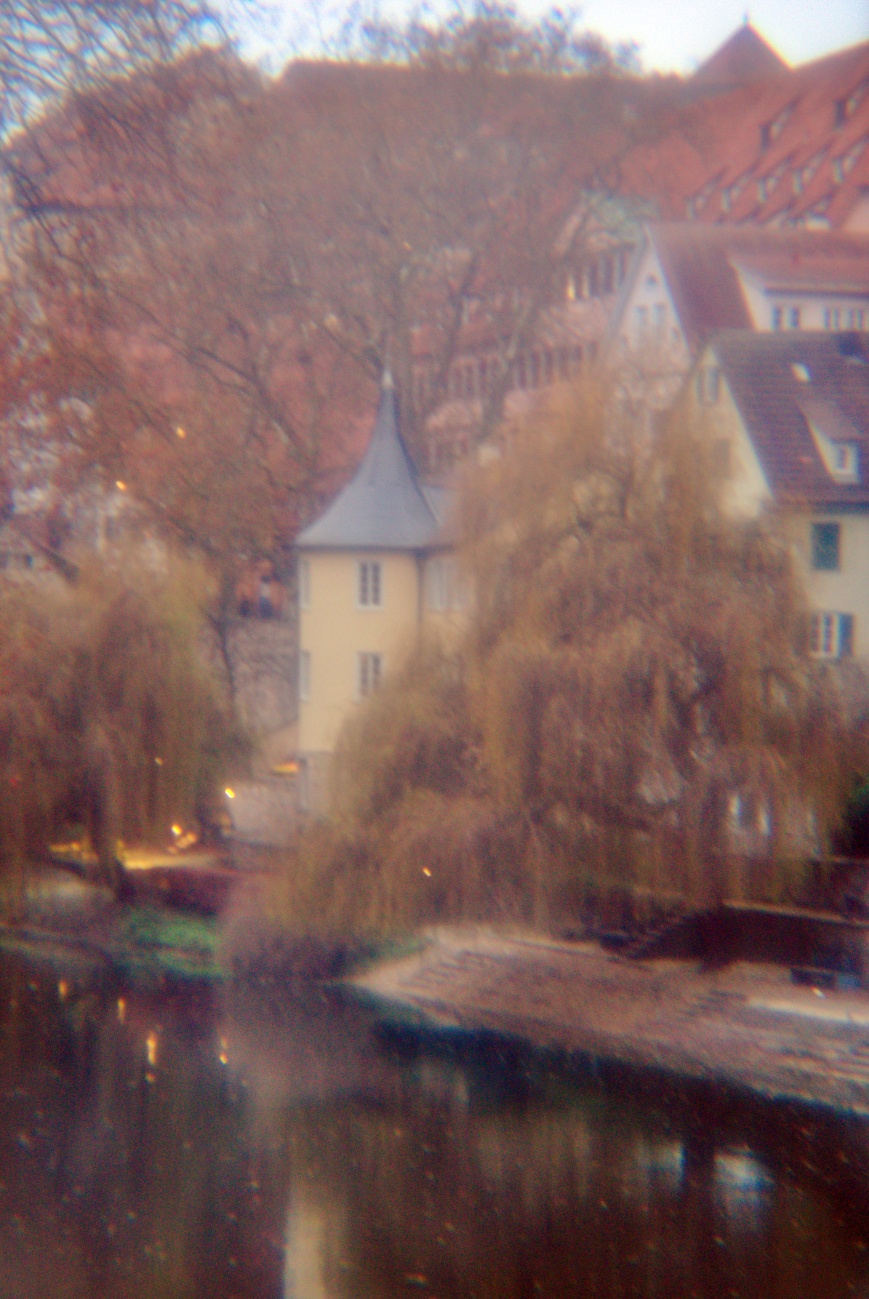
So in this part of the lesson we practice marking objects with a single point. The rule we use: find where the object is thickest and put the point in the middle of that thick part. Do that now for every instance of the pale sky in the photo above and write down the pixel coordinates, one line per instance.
(673, 36)
(678, 35)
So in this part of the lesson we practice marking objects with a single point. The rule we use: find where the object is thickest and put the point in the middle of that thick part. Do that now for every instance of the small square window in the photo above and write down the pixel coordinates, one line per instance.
(370, 672)
(826, 546)
(369, 588)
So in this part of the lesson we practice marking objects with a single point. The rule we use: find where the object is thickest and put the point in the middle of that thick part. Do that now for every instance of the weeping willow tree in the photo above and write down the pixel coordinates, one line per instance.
(109, 720)
(633, 710)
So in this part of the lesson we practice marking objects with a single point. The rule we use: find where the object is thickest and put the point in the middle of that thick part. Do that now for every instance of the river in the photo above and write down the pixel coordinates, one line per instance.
(192, 1141)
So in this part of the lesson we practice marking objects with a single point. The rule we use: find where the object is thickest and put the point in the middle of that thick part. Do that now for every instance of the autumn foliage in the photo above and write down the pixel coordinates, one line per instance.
(110, 726)
(633, 713)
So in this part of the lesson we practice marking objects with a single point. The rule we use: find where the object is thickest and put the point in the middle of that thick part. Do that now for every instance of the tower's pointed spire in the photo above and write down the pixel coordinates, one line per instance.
(383, 506)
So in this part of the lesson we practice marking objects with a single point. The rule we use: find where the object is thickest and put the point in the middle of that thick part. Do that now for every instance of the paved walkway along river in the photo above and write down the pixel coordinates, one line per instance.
(745, 1025)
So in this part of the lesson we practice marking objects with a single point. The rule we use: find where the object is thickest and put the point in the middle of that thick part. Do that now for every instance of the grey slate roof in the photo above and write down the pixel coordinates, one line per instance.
(383, 507)
(784, 382)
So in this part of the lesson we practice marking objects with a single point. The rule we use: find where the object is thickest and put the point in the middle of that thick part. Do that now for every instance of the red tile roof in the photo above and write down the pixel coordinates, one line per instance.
(745, 57)
(781, 383)
(700, 265)
(787, 147)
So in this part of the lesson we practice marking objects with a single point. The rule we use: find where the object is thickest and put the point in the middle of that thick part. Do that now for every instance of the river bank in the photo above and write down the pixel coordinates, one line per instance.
(746, 1025)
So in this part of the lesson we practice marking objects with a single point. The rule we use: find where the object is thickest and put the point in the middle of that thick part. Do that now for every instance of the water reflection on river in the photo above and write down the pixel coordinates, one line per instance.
(206, 1144)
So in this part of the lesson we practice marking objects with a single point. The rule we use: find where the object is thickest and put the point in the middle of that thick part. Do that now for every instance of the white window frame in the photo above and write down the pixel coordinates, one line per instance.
(832, 635)
(845, 461)
(708, 385)
(369, 584)
(369, 673)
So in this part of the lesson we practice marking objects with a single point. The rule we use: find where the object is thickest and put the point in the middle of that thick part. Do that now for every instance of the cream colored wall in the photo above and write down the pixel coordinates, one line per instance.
(334, 630)
(745, 489)
(844, 591)
(651, 360)
(649, 294)
(746, 493)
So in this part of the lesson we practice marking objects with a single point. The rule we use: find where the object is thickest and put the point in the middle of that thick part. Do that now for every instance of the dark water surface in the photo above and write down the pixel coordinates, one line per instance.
(199, 1142)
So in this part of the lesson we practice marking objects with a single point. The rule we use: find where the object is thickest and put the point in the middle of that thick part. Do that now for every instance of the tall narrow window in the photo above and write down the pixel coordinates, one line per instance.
(369, 584)
(826, 546)
(707, 384)
(369, 672)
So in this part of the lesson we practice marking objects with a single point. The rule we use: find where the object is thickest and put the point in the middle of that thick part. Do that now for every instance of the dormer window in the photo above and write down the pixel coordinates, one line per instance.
(845, 108)
(770, 131)
(836, 438)
(845, 462)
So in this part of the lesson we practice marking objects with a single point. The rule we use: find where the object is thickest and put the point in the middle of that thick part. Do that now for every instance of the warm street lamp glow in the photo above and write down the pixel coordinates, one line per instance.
(121, 486)
(180, 432)
(176, 830)
(230, 793)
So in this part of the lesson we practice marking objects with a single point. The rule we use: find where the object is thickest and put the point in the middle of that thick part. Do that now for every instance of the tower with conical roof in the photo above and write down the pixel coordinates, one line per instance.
(362, 589)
